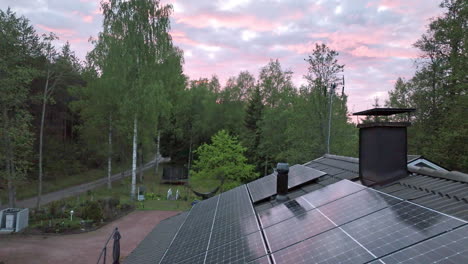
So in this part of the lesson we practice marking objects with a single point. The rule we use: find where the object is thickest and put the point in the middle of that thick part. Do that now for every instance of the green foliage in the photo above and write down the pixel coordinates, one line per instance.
(92, 211)
(223, 159)
(438, 90)
(19, 51)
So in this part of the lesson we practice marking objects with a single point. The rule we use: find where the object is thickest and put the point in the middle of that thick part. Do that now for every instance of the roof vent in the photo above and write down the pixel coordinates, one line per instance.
(282, 181)
(382, 147)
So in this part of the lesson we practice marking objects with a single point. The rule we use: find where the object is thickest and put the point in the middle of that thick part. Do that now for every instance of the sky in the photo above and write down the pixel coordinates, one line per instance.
(223, 37)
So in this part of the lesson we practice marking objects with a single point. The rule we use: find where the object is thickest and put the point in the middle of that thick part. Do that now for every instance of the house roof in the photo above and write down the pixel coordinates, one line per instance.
(331, 218)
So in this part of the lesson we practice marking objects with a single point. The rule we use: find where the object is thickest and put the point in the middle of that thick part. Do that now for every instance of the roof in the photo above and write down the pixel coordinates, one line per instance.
(385, 111)
(330, 218)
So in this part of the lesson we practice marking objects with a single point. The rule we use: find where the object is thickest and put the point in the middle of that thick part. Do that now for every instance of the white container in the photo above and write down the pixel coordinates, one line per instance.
(9, 221)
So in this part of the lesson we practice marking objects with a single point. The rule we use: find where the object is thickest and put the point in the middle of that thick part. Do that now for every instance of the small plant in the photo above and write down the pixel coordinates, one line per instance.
(150, 196)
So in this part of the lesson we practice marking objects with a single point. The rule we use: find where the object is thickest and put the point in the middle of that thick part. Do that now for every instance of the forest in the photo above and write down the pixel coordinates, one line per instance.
(61, 115)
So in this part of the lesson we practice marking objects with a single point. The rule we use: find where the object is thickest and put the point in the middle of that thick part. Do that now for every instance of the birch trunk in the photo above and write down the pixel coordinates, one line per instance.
(140, 160)
(41, 141)
(134, 160)
(109, 158)
(158, 154)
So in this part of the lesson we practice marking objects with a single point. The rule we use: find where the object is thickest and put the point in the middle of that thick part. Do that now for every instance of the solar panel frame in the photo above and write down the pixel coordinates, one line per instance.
(398, 226)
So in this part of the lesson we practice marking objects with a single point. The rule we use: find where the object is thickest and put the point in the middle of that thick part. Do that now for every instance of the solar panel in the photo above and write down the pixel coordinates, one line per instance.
(398, 226)
(299, 174)
(284, 211)
(296, 229)
(451, 247)
(239, 251)
(266, 186)
(356, 205)
(333, 246)
(194, 234)
(239, 227)
(332, 192)
(263, 187)
(262, 260)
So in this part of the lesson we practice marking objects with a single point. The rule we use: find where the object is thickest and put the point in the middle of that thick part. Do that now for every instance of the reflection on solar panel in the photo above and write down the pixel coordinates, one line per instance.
(266, 186)
(343, 222)
(284, 211)
(296, 229)
(399, 226)
(451, 247)
(332, 192)
(333, 246)
(357, 205)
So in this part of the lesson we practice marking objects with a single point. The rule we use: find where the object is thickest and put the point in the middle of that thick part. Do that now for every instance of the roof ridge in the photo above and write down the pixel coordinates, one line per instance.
(342, 158)
(450, 175)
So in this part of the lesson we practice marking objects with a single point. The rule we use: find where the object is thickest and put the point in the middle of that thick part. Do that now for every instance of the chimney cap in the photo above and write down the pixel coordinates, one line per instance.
(385, 111)
(282, 167)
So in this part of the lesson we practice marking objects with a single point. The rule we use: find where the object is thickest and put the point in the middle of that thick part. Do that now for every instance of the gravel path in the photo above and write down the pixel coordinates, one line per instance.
(80, 248)
(75, 190)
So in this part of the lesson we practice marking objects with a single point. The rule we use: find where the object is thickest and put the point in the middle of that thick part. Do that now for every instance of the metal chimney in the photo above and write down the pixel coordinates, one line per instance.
(382, 147)
(282, 181)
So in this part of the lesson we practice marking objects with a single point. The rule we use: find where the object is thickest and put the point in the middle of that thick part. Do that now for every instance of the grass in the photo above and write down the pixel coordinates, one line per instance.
(29, 189)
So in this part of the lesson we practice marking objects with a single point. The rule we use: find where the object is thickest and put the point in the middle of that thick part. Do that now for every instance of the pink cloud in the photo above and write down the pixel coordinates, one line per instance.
(61, 32)
(204, 20)
(364, 51)
(84, 17)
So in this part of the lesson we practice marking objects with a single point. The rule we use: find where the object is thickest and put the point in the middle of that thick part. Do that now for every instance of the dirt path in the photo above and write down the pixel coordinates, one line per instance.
(80, 248)
(75, 190)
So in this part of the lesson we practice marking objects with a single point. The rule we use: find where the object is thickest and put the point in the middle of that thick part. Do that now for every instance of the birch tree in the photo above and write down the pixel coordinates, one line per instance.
(136, 40)
(49, 86)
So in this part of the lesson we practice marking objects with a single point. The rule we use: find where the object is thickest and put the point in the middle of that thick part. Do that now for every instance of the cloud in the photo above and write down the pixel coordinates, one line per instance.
(374, 37)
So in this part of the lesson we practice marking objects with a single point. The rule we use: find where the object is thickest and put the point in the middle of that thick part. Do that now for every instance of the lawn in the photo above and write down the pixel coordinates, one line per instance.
(29, 189)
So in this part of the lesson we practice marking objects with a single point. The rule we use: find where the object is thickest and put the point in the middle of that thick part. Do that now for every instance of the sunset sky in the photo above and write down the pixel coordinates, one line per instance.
(374, 38)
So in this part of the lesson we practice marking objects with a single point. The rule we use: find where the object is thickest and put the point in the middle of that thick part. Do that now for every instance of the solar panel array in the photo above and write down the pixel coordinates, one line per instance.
(266, 186)
(346, 222)
(342, 222)
(221, 229)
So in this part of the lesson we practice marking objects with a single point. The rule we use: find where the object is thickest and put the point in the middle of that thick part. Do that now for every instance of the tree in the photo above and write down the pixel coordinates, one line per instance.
(439, 88)
(222, 160)
(19, 51)
(323, 72)
(277, 92)
(323, 68)
(252, 123)
(135, 43)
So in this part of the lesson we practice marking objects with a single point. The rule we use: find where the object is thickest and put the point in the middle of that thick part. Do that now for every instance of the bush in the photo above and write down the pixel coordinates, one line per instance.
(92, 211)
(109, 207)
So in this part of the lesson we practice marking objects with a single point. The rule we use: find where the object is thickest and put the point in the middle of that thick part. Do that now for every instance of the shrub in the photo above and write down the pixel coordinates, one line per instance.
(92, 211)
